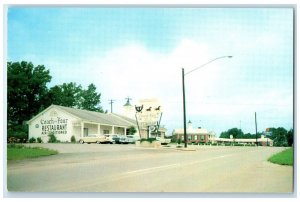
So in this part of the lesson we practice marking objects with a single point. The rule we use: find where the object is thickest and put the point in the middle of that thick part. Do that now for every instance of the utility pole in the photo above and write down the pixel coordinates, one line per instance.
(111, 105)
(256, 129)
(184, 112)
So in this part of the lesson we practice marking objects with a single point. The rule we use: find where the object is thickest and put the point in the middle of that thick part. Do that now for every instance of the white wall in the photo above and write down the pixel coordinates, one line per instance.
(53, 120)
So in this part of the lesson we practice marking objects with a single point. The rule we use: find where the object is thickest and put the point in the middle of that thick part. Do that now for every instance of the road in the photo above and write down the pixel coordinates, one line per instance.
(127, 168)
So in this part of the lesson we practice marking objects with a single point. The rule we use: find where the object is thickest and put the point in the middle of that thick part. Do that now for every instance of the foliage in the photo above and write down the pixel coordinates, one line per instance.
(18, 152)
(148, 139)
(282, 137)
(67, 94)
(26, 90)
(236, 133)
(90, 99)
(132, 130)
(73, 140)
(39, 140)
(32, 140)
(28, 94)
(52, 138)
(283, 158)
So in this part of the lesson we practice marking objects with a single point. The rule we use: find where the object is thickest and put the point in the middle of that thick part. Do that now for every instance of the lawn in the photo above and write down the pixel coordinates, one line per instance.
(283, 158)
(19, 152)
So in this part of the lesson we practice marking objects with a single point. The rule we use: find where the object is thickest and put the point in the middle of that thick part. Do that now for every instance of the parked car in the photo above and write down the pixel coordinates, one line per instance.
(131, 139)
(112, 138)
(123, 140)
(93, 138)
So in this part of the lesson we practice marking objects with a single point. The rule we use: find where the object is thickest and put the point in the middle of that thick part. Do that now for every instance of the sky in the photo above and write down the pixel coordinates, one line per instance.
(140, 53)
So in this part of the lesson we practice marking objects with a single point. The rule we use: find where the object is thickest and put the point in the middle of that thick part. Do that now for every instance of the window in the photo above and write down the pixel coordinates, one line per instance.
(105, 132)
(85, 132)
(195, 137)
(202, 137)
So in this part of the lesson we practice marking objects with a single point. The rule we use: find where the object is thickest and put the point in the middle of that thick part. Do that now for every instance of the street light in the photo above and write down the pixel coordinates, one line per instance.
(183, 93)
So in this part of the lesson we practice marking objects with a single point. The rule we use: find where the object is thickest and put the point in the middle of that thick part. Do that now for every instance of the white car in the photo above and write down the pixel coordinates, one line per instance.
(93, 138)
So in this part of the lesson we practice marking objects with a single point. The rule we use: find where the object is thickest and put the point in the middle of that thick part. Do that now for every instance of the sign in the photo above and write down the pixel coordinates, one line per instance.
(148, 112)
(56, 125)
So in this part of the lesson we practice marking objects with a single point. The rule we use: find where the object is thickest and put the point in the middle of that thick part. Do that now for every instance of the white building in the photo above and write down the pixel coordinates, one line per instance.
(66, 122)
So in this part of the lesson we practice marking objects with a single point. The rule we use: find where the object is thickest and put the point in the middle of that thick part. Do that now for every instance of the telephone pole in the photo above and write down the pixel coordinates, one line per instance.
(111, 105)
(256, 129)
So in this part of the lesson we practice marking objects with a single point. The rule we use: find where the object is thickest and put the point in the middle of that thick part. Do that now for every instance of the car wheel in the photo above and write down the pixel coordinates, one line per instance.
(98, 142)
(81, 141)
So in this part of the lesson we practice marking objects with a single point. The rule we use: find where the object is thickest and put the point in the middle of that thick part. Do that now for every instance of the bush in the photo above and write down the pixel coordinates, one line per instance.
(152, 139)
(73, 140)
(39, 140)
(52, 138)
(32, 140)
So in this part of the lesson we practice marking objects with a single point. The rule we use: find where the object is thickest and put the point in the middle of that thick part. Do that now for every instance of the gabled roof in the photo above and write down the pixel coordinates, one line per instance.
(96, 117)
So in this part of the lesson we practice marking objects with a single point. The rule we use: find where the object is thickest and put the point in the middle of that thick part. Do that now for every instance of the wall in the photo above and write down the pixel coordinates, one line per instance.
(52, 120)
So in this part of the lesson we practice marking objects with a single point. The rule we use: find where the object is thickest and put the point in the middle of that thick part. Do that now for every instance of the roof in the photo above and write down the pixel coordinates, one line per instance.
(97, 117)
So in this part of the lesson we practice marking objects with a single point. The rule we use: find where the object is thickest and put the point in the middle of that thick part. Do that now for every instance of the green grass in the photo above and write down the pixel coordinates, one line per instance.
(283, 158)
(19, 152)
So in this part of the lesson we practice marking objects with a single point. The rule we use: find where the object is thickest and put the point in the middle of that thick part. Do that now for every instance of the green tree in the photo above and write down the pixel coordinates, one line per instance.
(67, 94)
(132, 130)
(90, 99)
(26, 87)
(279, 136)
(235, 132)
(290, 137)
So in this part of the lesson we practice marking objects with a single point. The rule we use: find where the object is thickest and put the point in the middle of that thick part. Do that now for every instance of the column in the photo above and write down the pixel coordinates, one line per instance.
(113, 130)
(82, 126)
(125, 131)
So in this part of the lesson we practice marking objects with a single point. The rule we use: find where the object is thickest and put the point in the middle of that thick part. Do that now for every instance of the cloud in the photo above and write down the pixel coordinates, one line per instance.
(135, 71)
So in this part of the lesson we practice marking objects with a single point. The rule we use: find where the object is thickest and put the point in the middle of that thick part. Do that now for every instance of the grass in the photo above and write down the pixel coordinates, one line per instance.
(283, 158)
(19, 152)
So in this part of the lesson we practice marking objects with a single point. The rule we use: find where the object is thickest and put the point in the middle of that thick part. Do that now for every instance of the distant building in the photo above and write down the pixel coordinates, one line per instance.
(193, 134)
(262, 141)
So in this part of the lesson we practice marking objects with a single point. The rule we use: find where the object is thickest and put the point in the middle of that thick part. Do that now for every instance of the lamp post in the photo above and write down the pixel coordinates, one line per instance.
(183, 94)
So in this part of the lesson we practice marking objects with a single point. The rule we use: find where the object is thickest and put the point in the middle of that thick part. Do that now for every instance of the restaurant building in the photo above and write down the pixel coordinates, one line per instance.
(65, 122)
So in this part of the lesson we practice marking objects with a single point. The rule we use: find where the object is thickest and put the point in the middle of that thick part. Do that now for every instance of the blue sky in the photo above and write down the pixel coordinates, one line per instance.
(139, 52)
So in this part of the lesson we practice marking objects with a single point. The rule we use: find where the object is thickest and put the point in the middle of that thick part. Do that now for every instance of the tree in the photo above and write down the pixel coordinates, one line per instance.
(26, 87)
(67, 94)
(132, 130)
(235, 132)
(279, 136)
(290, 137)
(90, 99)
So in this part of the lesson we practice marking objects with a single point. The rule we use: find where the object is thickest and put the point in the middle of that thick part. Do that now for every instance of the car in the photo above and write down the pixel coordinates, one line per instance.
(93, 138)
(123, 140)
(112, 138)
(131, 139)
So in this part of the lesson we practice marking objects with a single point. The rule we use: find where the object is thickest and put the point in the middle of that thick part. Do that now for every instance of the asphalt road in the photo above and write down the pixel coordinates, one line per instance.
(127, 168)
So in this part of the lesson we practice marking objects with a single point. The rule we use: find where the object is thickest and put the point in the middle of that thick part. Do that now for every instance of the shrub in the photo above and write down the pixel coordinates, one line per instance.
(179, 141)
(32, 140)
(39, 140)
(52, 138)
(73, 140)
(151, 139)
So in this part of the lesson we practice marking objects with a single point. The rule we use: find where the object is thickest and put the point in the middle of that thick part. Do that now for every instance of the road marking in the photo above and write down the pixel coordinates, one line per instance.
(152, 168)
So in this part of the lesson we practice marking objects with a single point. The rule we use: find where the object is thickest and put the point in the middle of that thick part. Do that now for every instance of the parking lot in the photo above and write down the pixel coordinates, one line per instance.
(128, 168)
